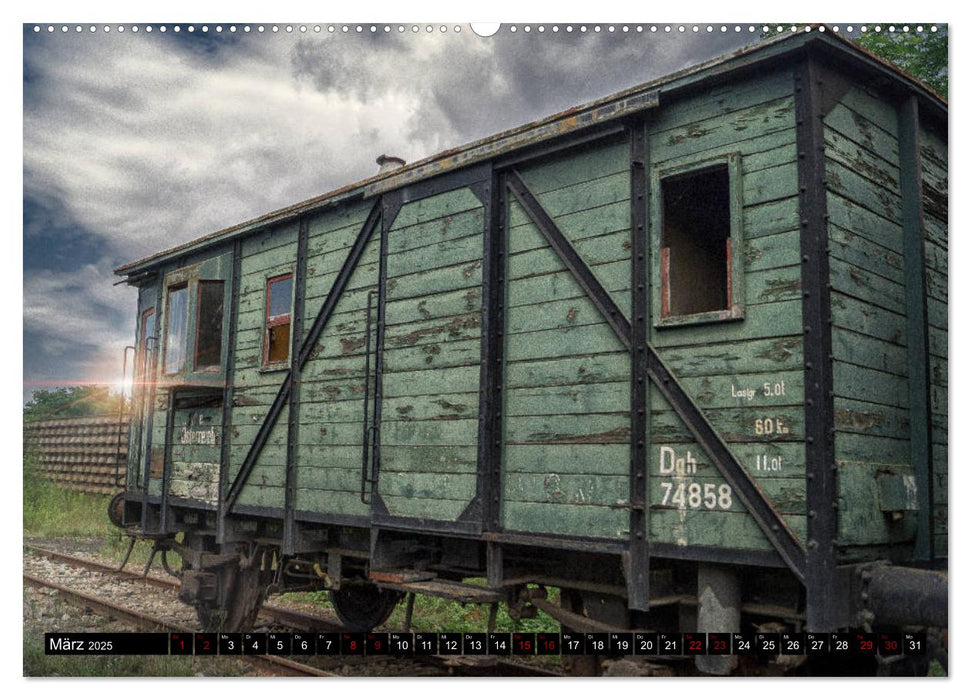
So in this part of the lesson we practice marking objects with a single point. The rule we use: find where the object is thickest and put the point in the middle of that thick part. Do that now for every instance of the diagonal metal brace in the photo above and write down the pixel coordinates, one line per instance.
(772, 524)
(306, 347)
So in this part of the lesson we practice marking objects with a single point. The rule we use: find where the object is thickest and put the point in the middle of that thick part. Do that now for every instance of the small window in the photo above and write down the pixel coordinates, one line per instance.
(177, 310)
(209, 331)
(698, 244)
(279, 297)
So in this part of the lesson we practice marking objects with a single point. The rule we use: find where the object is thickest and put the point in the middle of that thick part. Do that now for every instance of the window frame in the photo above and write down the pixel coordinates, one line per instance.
(218, 367)
(174, 287)
(734, 260)
(270, 322)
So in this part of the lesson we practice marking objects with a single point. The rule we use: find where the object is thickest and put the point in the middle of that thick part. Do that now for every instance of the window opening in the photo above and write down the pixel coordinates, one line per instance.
(279, 297)
(209, 328)
(177, 310)
(696, 246)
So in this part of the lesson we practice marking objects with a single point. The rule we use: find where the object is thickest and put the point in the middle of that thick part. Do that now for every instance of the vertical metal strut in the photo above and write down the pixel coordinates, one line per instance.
(821, 582)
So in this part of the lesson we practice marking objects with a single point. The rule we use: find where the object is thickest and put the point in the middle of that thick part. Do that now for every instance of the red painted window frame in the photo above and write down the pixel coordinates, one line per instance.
(270, 322)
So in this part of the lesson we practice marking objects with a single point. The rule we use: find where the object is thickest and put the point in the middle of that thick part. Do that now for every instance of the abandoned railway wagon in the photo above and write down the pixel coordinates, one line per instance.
(681, 352)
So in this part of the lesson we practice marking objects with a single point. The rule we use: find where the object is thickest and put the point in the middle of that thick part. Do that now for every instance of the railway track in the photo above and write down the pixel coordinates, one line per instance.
(272, 616)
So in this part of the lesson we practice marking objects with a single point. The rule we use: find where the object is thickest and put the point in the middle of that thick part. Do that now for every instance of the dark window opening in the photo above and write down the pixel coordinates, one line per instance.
(177, 310)
(209, 329)
(279, 295)
(696, 247)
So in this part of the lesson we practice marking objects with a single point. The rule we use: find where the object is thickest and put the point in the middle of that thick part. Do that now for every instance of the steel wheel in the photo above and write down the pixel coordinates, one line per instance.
(363, 607)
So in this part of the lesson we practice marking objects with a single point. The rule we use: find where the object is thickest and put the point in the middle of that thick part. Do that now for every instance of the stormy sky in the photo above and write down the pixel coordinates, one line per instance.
(136, 142)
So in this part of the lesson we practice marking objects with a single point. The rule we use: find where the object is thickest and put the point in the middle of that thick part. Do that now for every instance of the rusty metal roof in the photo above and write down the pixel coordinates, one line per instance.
(612, 107)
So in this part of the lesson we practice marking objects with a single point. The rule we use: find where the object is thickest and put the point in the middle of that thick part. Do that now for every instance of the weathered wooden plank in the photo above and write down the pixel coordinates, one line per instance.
(771, 184)
(747, 424)
(936, 256)
(867, 287)
(731, 356)
(432, 509)
(446, 330)
(279, 236)
(559, 313)
(865, 351)
(330, 502)
(872, 107)
(608, 248)
(435, 382)
(433, 306)
(564, 341)
(687, 139)
(330, 434)
(445, 279)
(567, 371)
(937, 313)
(430, 432)
(862, 132)
(567, 489)
(579, 165)
(577, 227)
(562, 285)
(452, 227)
(772, 251)
(759, 389)
(863, 161)
(775, 319)
(455, 353)
(419, 486)
(867, 418)
(577, 197)
(435, 207)
(438, 255)
(443, 407)
(852, 248)
(575, 459)
(261, 496)
(719, 101)
(860, 519)
(713, 529)
(758, 153)
(787, 496)
(873, 321)
(939, 400)
(854, 382)
(873, 197)
(850, 216)
(569, 429)
(557, 519)
(347, 215)
(427, 459)
(872, 449)
(559, 400)
(937, 341)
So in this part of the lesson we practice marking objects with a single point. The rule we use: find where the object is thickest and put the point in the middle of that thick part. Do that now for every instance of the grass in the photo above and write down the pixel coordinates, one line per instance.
(53, 511)
(444, 615)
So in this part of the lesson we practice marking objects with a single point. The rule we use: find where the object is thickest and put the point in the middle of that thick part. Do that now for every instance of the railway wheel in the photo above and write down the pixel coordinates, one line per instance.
(241, 591)
(362, 607)
(116, 510)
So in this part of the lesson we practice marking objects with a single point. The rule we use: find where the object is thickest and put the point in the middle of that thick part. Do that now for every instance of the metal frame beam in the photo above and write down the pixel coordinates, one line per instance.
(821, 505)
(293, 426)
(918, 355)
(227, 424)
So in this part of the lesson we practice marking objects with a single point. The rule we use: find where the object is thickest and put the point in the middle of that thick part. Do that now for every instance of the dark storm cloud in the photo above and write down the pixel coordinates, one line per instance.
(137, 143)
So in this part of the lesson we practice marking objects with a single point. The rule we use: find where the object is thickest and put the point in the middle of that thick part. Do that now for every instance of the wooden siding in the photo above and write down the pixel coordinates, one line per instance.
(870, 371)
(934, 206)
(725, 366)
(567, 394)
(433, 319)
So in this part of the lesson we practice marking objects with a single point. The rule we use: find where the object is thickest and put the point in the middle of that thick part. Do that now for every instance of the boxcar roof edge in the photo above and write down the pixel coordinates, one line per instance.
(612, 107)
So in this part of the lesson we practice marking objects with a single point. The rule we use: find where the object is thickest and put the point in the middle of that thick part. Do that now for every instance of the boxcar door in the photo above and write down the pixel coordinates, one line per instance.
(427, 363)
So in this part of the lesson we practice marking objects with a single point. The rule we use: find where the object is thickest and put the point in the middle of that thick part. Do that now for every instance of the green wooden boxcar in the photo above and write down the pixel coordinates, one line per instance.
(687, 343)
